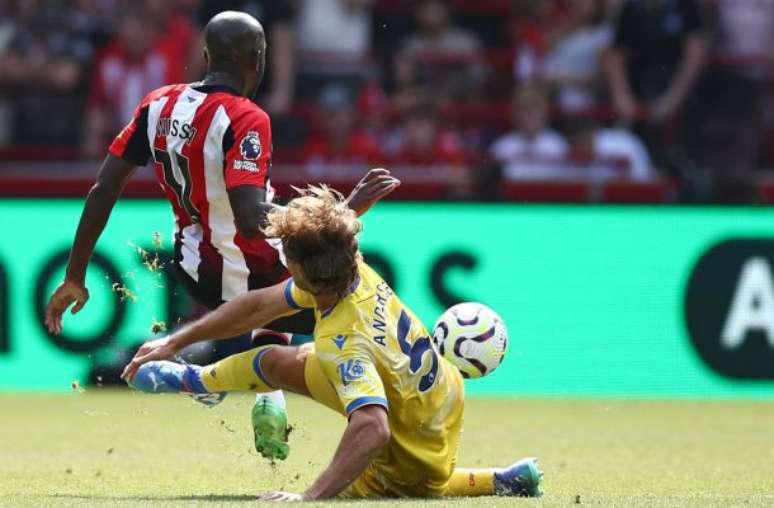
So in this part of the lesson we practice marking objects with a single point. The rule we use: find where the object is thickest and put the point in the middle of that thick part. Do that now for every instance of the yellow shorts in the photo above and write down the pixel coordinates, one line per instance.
(377, 483)
(404, 468)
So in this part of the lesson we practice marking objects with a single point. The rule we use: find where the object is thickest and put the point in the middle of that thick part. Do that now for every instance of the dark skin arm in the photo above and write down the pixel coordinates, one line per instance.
(102, 197)
(250, 209)
(247, 202)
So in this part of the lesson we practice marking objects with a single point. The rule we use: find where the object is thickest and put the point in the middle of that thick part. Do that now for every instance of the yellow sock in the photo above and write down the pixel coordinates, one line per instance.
(240, 372)
(471, 482)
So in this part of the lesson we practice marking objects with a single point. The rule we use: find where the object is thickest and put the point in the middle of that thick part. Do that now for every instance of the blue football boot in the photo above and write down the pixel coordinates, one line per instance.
(172, 377)
(522, 479)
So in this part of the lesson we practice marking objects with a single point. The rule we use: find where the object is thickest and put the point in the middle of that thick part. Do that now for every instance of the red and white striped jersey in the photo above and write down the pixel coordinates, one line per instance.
(206, 140)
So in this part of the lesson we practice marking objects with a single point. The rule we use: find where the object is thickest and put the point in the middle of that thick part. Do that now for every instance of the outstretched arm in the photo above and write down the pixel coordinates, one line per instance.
(349, 368)
(366, 434)
(246, 312)
(112, 178)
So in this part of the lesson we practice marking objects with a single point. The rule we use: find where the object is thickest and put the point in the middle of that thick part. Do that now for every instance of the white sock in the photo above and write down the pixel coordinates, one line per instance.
(276, 396)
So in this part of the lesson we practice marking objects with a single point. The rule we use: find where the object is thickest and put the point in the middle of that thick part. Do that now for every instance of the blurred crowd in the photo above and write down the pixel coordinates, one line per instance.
(492, 91)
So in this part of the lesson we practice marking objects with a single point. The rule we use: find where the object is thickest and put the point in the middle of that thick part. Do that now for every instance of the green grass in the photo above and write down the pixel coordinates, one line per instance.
(114, 449)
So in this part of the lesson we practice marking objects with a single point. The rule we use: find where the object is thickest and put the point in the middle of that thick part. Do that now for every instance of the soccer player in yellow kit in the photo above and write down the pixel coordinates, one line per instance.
(372, 361)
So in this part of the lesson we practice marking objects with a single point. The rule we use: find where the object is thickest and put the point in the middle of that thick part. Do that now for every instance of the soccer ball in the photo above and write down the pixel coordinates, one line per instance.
(472, 337)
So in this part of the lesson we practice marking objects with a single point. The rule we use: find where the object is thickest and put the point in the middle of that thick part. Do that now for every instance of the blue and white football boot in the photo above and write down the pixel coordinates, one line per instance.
(521, 479)
(173, 377)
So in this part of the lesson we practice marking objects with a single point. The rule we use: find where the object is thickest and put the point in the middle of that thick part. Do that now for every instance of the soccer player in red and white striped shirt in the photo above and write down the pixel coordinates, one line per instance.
(211, 145)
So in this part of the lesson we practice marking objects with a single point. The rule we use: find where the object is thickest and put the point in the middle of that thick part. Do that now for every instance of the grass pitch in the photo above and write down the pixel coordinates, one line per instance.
(118, 448)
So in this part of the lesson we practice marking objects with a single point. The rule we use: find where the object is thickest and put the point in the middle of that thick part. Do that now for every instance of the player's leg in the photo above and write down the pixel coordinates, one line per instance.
(520, 479)
(269, 409)
(271, 367)
(267, 406)
(317, 385)
(281, 332)
(264, 370)
(240, 372)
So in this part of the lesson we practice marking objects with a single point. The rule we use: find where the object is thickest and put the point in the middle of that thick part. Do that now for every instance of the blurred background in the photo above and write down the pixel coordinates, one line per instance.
(523, 130)
(525, 100)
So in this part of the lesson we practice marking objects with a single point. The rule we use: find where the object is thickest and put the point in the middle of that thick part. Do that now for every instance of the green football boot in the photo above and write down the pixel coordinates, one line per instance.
(270, 428)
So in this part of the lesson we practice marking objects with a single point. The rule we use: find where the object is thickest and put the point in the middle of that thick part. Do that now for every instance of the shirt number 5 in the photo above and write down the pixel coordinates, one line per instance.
(416, 353)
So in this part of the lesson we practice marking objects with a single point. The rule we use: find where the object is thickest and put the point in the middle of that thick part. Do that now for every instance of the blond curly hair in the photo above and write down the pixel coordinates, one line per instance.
(319, 232)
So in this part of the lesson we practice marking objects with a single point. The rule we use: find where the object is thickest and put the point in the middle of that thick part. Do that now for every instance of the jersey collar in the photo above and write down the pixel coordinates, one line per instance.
(200, 87)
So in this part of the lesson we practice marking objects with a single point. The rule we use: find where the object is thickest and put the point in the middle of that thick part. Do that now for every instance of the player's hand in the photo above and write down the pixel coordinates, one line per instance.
(68, 293)
(153, 350)
(281, 497)
(375, 185)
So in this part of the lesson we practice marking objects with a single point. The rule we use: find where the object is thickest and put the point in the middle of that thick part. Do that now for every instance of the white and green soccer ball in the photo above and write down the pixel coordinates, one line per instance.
(472, 337)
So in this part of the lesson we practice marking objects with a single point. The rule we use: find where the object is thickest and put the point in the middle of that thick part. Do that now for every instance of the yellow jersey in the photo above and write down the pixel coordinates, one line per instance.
(373, 350)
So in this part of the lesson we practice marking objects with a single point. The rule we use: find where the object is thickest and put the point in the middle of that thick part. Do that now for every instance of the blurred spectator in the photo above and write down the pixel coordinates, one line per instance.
(608, 152)
(532, 146)
(42, 65)
(534, 26)
(422, 144)
(93, 19)
(135, 62)
(420, 141)
(334, 42)
(742, 29)
(440, 57)
(338, 141)
(335, 28)
(437, 36)
(7, 30)
(176, 35)
(372, 108)
(729, 99)
(572, 65)
(654, 72)
(278, 18)
(658, 56)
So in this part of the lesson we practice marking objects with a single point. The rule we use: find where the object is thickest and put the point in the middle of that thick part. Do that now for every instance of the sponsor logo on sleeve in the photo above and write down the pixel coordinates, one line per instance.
(250, 150)
(250, 146)
(350, 371)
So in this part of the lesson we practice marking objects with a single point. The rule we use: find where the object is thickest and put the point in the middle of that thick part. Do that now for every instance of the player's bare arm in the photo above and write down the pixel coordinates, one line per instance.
(367, 432)
(102, 197)
(248, 204)
(246, 312)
